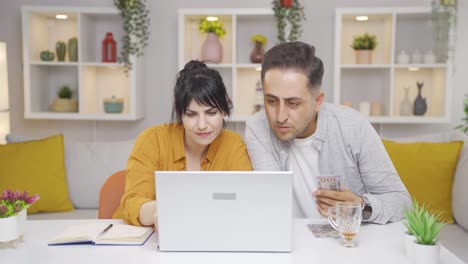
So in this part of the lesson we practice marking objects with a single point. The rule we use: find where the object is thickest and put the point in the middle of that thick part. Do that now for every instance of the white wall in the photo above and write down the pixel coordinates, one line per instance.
(161, 63)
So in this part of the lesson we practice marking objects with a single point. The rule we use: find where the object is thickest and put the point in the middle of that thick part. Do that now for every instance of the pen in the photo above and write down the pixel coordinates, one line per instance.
(105, 230)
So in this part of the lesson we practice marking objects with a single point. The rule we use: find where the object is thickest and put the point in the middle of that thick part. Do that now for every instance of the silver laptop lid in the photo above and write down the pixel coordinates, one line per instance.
(224, 211)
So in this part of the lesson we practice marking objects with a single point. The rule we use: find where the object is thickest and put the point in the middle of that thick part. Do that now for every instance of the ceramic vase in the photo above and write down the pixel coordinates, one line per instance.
(425, 254)
(60, 49)
(405, 105)
(363, 56)
(420, 104)
(73, 49)
(12, 228)
(64, 105)
(212, 50)
(256, 56)
(409, 241)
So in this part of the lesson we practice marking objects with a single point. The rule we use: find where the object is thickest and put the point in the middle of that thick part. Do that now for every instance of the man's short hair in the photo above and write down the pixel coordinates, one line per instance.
(295, 55)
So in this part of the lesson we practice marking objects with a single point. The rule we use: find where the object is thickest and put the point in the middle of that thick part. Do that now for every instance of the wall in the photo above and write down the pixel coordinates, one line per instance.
(161, 63)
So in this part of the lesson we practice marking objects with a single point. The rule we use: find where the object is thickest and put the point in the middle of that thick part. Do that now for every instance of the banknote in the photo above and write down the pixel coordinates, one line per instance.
(323, 230)
(330, 182)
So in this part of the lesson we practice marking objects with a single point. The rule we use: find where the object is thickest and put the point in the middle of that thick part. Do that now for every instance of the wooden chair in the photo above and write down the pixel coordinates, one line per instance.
(110, 194)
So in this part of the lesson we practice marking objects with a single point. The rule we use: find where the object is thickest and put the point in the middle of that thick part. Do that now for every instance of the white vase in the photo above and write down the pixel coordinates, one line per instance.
(409, 241)
(11, 228)
(212, 50)
(425, 254)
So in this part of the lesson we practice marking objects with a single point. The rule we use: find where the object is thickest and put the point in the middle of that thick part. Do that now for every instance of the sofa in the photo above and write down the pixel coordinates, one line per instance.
(87, 166)
(453, 236)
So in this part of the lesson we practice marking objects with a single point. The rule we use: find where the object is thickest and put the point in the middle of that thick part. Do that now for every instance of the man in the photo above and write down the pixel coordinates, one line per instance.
(301, 133)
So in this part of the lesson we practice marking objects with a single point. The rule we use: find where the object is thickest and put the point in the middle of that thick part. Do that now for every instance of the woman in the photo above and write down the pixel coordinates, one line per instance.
(197, 141)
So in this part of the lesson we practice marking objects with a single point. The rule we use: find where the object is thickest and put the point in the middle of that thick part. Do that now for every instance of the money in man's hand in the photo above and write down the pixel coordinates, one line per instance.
(330, 182)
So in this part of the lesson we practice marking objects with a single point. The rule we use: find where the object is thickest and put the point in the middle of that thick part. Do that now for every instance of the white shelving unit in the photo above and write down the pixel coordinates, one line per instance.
(239, 75)
(90, 79)
(396, 29)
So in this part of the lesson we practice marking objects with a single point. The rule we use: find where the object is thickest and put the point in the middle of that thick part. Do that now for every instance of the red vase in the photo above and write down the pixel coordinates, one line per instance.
(286, 3)
(109, 48)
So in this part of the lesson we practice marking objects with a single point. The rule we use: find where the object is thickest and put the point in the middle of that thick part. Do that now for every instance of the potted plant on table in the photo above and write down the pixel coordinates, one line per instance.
(363, 46)
(425, 227)
(65, 102)
(13, 207)
(212, 50)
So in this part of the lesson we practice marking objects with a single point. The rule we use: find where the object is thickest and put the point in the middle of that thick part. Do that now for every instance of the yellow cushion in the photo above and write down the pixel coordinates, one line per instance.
(39, 167)
(427, 170)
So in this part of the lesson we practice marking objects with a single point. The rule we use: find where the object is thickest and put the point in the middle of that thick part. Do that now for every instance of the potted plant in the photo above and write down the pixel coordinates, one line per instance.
(212, 50)
(65, 102)
(363, 45)
(13, 207)
(289, 15)
(256, 56)
(425, 227)
(136, 22)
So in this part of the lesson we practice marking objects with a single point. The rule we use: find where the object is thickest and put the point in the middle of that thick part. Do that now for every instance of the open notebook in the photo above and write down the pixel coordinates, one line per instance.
(118, 234)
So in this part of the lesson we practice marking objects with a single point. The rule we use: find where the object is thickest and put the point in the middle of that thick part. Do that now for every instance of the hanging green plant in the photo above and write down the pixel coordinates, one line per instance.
(135, 23)
(444, 22)
(289, 15)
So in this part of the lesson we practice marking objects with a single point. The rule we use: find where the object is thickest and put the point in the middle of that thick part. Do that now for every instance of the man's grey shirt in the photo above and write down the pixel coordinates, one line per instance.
(348, 145)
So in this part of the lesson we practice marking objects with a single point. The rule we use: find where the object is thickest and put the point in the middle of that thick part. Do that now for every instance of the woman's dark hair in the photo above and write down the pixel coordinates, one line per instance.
(202, 84)
(295, 55)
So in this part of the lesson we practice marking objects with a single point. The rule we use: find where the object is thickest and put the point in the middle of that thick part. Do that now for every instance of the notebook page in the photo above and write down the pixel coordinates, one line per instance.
(80, 233)
(124, 232)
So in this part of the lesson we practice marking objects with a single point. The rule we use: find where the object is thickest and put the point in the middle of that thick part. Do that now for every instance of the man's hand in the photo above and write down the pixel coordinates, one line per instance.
(328, 198)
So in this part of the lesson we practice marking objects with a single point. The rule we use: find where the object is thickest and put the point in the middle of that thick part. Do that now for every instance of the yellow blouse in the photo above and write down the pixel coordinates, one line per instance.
(162, 148)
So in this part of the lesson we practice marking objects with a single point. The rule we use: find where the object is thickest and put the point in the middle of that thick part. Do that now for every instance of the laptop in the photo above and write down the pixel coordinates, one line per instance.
(224, 210)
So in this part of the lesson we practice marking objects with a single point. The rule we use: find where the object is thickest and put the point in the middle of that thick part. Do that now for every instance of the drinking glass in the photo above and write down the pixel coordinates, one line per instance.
(346, 218)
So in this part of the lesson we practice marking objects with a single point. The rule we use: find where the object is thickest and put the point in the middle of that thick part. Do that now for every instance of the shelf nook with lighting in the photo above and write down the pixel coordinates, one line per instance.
(64, 46)
(240, 75)
(403, 77)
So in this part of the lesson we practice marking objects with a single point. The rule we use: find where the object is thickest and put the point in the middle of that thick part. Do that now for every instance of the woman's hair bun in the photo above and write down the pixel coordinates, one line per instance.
(194, 65)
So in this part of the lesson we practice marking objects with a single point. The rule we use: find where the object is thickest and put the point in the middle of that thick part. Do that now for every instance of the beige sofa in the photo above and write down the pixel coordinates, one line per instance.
(454, 236)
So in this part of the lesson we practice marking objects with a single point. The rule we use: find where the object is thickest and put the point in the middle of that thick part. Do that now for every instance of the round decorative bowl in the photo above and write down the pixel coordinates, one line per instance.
(113, 105)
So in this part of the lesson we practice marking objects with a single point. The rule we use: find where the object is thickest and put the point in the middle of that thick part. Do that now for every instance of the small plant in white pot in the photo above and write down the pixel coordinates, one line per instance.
(13, 207)
(65, 102)
(425, 227)
(363, 46)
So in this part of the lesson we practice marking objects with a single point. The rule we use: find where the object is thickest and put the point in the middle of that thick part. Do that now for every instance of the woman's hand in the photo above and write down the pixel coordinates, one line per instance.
(147, 216)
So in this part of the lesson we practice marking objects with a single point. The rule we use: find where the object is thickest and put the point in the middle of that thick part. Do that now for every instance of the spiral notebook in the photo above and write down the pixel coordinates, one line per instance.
(103, 234)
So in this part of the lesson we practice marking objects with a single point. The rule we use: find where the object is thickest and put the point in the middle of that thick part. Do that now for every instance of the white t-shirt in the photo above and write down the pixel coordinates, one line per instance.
(303, 161)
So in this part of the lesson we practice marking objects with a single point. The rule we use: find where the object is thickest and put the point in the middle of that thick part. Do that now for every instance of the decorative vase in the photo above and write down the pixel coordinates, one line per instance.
(409, 241)
(405, 105)
(363, 56)
(113, 105)
(425, 254)
(403, 57)
(420, 105)
(73, 49)
(12, 228)
(60, 49)
(47, 55)
(416, 57)
(109, 48)
(212, 50)
(256, 56)
(64, 105)
(429, 57)
(286, 3)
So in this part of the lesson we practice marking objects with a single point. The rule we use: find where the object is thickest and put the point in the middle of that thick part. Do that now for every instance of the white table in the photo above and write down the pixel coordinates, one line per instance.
(377, 244)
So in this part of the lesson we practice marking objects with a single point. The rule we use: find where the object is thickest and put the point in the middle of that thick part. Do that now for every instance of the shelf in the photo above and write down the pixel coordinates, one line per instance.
(382, 82)
(80, 116)
(90, 79)
(249, 66)
(366, 66)
(407, 120)
(219, 66)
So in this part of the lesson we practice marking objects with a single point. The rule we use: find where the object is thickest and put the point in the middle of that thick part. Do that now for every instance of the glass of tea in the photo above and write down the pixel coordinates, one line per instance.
(346, 218)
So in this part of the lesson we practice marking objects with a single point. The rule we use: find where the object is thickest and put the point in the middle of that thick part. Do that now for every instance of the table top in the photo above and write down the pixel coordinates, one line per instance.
(377, 244)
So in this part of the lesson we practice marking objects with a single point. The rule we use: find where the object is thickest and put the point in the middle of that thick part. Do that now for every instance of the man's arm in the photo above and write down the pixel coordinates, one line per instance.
(259, 147)
(386, 193)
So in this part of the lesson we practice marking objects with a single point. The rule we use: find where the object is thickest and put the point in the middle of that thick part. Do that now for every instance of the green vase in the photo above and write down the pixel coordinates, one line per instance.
(73, 49)
(60, 49)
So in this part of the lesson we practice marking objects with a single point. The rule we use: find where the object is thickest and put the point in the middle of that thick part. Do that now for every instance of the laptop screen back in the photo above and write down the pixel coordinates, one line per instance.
(224, 211)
